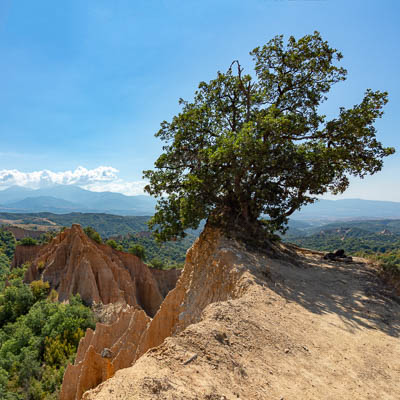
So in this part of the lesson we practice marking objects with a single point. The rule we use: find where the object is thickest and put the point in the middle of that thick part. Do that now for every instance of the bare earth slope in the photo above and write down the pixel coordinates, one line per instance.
(278, 326)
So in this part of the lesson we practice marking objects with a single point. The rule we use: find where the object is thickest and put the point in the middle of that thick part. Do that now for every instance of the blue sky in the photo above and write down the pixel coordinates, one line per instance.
(87, 83)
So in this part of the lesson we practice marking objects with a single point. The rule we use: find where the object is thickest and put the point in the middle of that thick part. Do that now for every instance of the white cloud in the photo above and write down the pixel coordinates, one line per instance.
(119, 186)
(99, 179)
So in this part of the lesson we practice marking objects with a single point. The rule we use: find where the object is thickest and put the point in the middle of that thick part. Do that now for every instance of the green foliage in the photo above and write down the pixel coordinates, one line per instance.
(138, 250)
(257, 146)
(38, 336)
(172, 253)
(132, 231)
(15, 301)
(351, 240)
(53, 296)
(40, 265)
(58, 351)
(112, 243)
(39, 289)
(389, 261)
(355, 237)
(92, 234)
(7, 243)
(157, 263)
(4, 270)
(106, 224)
(47, 237)
(377, 240)
(28, 241)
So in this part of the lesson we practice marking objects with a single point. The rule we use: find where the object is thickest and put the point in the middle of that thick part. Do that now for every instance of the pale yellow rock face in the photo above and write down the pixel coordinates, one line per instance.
(213, 273)
(72, 263)
(91, 367)
(284, 324)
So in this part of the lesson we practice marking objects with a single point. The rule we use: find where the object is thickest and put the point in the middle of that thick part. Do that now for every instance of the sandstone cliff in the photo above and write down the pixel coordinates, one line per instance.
(240, 324)
(72, 263)
(211, 274)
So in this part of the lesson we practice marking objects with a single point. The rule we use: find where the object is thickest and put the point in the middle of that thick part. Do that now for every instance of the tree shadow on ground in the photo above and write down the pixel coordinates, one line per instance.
(353, 291)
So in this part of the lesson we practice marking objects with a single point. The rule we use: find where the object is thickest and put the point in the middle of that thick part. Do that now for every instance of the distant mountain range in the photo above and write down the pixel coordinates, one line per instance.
(63, 199)
(348, 209)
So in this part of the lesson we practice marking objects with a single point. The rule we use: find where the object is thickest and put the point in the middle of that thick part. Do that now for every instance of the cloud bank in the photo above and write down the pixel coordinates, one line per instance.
(99, 179)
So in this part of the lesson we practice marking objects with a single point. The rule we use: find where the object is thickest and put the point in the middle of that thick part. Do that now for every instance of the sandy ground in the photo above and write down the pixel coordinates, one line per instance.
(304, 329)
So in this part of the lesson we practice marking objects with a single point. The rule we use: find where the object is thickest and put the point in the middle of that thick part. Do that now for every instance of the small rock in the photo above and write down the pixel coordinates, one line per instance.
(190, 359)
(329, 256)
(287, 351)
(340, 253)
(106, 353)
(221, 337)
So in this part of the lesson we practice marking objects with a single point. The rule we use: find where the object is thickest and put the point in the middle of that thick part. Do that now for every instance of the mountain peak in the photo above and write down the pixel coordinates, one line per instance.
(72, 198)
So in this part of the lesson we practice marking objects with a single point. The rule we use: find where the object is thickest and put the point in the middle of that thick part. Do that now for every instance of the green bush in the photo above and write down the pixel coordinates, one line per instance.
(157, 264)
(93, 234)
(112, 243)
(40, 289)
(38, 337)
(138, 250)
(7, 243)
(28, 241)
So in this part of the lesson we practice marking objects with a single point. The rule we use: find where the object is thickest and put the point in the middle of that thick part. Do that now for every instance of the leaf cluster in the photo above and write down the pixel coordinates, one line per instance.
(90, 232)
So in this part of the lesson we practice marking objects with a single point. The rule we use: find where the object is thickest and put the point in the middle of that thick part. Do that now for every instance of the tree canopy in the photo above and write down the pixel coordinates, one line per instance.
(257, 147)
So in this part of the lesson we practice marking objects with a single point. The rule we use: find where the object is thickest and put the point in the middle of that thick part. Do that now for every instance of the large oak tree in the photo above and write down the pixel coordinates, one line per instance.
(257, 147)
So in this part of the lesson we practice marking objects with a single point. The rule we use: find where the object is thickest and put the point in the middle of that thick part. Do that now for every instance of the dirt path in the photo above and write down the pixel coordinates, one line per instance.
(303, 330)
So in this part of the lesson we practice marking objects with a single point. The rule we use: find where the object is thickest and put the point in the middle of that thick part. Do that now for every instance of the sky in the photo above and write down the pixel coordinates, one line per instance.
(86, 84)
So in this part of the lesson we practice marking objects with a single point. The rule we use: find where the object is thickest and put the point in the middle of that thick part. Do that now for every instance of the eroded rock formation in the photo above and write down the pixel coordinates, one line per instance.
(245, 325)
(24, 254)
(103, 352)
(73, 263)
(212, 272)
(240, 324)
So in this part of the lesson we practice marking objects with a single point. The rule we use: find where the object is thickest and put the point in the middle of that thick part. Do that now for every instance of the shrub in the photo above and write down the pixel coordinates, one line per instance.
(157, 263)
(112, 243)
(40, 265)
(53, 296)
(40, 289)
(28, 241)
(138, 250)
(90, 232)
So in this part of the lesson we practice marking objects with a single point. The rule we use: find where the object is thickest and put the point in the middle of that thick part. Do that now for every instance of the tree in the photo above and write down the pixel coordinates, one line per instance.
(138, 250)
(28, 241)
(39, 289)
(257, 147)
(157, 263)
(112, 243)
(93, 234)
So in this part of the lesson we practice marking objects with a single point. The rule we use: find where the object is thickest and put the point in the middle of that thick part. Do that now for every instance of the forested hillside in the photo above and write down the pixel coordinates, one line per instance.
(353, 236)
(106, 224)
(38, 336)
(127, 231)
(378, 240)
